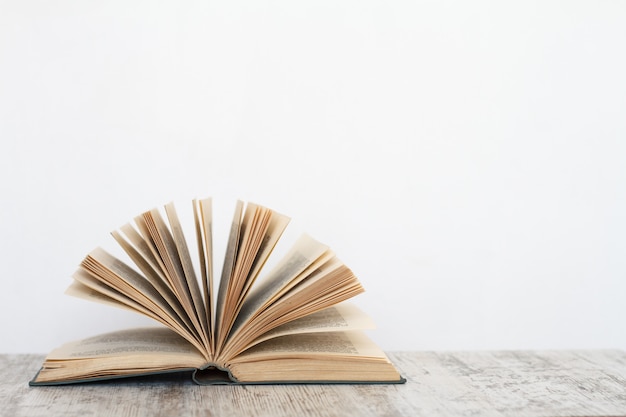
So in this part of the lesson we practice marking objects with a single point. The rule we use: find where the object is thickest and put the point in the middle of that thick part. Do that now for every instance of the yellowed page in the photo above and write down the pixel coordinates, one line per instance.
(189, 280)
(168, 252)
(227, 272)
(120, 353)
(145, 341)
(138, 251)
(312, 345)
(115, 274)
(340, 318)
(326, 285)
(203, 219)
(275, 229)
(260, 229)
(80, 290)
(305, 252)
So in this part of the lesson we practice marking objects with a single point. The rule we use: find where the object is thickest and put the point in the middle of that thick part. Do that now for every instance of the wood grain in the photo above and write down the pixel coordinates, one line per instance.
(506, 383)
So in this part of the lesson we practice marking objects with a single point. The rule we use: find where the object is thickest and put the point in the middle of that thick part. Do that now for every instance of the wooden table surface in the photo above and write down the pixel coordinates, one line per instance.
(501, 383)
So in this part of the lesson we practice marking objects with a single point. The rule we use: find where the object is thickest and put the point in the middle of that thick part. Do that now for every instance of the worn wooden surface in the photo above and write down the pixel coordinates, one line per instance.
(550, 383)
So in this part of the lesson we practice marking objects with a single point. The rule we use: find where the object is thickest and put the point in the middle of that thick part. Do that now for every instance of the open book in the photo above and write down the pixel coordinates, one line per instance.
(291, 326)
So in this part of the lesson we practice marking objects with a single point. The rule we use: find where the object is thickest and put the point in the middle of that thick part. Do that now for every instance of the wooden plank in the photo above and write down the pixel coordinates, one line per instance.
(509, 383)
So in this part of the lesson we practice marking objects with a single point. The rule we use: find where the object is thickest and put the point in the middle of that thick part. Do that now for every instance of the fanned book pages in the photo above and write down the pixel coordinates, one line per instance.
(292, 326)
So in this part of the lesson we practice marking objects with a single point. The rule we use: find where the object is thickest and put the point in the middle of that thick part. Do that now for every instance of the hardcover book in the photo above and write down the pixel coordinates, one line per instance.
(292, 325)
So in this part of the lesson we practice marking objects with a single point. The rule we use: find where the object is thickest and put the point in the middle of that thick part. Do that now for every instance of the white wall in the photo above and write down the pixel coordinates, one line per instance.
(466, 159)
